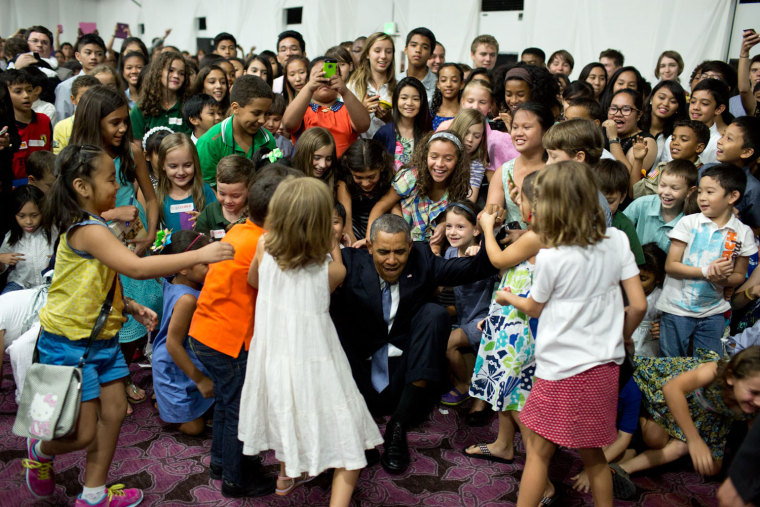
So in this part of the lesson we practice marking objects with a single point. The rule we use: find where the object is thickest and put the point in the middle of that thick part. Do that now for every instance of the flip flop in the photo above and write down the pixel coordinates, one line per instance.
(133, 395)
(294, 483)
(486, 455)
(454, 397)
(548, 500)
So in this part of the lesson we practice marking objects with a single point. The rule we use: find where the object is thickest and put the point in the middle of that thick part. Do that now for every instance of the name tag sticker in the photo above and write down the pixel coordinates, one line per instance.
(36, 142)
(175, 121)
(182, 208)
(217, 233)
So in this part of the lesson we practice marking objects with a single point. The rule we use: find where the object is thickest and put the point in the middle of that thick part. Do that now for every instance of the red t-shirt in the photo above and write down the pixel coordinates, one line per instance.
(335, 119)
(35, 136)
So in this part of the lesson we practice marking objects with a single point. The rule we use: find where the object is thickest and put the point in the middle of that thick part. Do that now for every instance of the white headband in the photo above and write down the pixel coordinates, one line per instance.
(448, 136)
(153, 131)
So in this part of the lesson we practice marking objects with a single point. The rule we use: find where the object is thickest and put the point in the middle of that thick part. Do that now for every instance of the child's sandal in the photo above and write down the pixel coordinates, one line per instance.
(294, 483)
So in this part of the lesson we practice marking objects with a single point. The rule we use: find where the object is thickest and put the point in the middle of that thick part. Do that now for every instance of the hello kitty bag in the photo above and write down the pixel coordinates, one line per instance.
(49, 406)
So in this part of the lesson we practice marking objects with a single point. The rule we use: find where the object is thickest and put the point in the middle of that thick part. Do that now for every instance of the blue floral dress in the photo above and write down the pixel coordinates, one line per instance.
(506, 362)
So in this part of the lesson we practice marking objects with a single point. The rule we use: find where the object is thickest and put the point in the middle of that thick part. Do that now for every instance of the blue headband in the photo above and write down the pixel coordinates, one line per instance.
(461, 206)
(448, 136)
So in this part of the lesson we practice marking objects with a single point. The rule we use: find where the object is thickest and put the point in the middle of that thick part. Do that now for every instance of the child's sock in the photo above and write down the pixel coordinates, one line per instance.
(93, 495)
(38, 451)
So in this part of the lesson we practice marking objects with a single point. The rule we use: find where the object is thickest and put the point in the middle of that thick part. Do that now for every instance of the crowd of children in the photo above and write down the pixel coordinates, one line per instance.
(202, 196)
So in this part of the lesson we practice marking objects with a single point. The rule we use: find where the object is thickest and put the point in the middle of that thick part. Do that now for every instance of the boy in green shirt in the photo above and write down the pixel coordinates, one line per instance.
(243, 132)
(232, 177)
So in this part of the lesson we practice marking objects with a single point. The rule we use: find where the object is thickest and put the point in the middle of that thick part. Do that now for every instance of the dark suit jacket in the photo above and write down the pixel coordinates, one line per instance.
(358, 311)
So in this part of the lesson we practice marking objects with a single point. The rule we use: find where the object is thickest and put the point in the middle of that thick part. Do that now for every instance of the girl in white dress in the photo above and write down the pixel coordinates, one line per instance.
(299, 397)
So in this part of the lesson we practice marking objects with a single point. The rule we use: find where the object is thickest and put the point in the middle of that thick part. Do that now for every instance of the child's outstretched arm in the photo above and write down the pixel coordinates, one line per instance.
(151, 201)
(637, 306)
(675, 392)
(527, 305)
(525, 247)
(293, 116)
(253, 270)
(336, 271)
(179, 325)
(749, 39)
(345, 199)
(99, 242)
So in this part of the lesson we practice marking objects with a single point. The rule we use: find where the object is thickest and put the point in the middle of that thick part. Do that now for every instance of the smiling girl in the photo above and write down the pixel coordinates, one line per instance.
(161, 96)
(439, 174)
(445, 104)
(130, 68)
(411, 120)
(623, 130)
(374, 80)
(212, 81)
(315, 154)
(669, 66)
(181, 190)
(666, 105)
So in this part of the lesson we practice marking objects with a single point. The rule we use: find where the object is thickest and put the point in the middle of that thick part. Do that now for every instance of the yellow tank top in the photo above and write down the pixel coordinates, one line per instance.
(79, 287)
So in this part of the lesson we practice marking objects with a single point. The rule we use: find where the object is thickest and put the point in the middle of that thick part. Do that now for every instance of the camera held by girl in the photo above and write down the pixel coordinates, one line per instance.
(297, 365)
(88, 259)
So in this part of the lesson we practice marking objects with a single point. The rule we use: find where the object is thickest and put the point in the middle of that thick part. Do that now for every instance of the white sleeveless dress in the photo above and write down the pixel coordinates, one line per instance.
(299, 397)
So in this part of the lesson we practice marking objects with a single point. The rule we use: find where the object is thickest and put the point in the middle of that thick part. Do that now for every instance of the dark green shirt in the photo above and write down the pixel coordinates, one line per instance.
(171, 118)
(211, 221)
(622, 222)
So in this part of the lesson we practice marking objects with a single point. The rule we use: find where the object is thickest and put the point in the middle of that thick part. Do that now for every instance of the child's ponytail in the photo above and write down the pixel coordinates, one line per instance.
(61, 209)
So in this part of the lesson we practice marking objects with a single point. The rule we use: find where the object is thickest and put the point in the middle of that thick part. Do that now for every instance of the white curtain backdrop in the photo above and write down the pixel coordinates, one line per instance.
(641, 29)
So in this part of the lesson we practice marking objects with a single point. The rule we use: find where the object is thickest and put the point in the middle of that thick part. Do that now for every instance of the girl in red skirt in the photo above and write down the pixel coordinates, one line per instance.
(579, 342)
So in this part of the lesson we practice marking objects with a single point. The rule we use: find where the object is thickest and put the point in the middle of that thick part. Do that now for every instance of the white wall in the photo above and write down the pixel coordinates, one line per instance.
(698, 29)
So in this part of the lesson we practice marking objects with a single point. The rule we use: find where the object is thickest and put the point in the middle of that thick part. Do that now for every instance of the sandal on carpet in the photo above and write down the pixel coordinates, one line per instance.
(622, 485)
(486, 454)
(294, 483)
(548, 500)
(454, 397)
(133, 393)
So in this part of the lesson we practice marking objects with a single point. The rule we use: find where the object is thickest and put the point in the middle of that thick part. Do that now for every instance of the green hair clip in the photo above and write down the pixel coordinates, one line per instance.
(275, 155)
(163, 238)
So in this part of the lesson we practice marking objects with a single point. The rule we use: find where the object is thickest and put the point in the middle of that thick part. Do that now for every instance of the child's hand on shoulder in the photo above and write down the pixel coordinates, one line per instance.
(640, 148)
(205, 387)
(216, 252)
(472, 251)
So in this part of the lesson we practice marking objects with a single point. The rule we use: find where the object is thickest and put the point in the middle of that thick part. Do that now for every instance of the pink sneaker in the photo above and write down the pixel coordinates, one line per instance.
(40, 478)
(116, 496)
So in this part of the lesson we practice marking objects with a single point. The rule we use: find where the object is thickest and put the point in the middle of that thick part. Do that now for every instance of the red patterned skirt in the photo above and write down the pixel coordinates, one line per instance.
(577, 412)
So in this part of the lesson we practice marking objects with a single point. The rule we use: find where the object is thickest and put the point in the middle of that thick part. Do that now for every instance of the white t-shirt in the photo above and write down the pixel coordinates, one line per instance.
(15, 310)
(705, 242)
(581, 325)
(278, 84)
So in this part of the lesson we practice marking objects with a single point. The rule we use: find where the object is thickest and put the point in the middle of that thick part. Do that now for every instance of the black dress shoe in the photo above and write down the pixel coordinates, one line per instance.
(261, 485)
(215, 471)
(395, 459)
(372, 456)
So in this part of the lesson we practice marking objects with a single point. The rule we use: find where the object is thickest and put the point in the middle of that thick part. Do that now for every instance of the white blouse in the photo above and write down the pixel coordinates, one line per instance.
(37, 251)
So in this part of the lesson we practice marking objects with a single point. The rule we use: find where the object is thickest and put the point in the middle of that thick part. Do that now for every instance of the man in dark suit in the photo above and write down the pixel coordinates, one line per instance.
(393, 333)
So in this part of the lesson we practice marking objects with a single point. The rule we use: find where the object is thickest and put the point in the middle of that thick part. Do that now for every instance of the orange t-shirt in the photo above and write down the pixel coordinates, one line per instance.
(335, 119)
(223, 318)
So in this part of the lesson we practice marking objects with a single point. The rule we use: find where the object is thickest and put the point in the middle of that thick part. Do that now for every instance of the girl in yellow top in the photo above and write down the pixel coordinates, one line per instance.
(87, 261)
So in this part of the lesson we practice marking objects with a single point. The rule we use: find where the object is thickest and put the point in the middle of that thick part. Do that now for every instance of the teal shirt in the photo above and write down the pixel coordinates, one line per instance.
(218, 142)
(645, 213)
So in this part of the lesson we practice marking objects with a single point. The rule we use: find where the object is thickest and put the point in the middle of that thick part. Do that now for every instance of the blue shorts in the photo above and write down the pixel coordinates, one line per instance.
(105, 362)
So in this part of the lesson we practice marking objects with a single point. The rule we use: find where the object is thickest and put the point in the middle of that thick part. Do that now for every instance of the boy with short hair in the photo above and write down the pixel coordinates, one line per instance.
(243, 132)
(709, 252)
(90, 52)
(708, 100)
(225, 45)
(273, 122)
(40, 169)
(483, 51)
(201, 112)
(420, 43)
(33, 128)
(612, 59)
(612, 178)
(688, 141)
(39, 81)
(534, 56)
(62, 130)
(232, 176)
(220, 335)
(654, 216)
(740, 146)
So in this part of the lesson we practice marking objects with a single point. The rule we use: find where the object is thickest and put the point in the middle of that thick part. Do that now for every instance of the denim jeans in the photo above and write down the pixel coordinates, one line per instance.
(11, 286)
(676, 331)
(228, 374)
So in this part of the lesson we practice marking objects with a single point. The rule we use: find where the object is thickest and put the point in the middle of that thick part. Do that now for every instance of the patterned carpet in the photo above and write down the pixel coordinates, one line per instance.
(172, 469)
